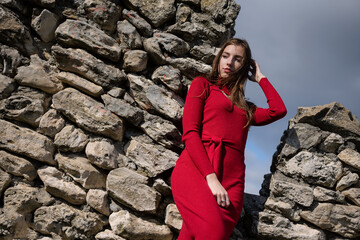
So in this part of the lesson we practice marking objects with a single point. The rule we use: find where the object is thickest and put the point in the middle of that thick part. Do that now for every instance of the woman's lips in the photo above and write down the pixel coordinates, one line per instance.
(227, 70)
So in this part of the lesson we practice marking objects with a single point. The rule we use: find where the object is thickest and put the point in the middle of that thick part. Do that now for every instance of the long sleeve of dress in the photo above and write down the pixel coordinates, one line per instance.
(192, 122)
(276, 110)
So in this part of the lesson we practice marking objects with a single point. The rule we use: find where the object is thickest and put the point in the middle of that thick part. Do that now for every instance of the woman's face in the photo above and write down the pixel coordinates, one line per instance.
(231, 60)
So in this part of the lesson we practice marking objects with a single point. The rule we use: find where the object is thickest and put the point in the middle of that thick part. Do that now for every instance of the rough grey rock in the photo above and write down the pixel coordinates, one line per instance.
(14, 226)
(71, 139)
(150, 160)
(26, 142)
(128, 35)
(282, 186)
(21, 198)
(155, 11)
(98, 200)
(108, 235)
(341, 219)
(199, 26)
(104, 13)
(135, 61)
(353, 194)
(51, 123)
(117, 92)
(25, 105)
(45, 25)
(163, 45)
(5, 180)
(130, 189)
(88, 113)
(173, 217)
(74, 33)
(103, 154)
(123, 109)
(154, 98)
(275, 226)
(7, 86)
(81, 170)
(189, 67)
(58, 187)
(80, 83)
(333, 117)
(323, 170)
(205, 53)
(350, 157)
(301, 136)
(161, 186)
(165, 102)
(283, 206)
(331, 143)
(14, 33)
(80, 62)
(152, 47)
(67, 222)
(171, 44)
(16, 5)
(11, 59)
(141, 24)
(129, 226)
(347, 181)
(223, 11)
(326, 195)
(17, 166)
(169, 76)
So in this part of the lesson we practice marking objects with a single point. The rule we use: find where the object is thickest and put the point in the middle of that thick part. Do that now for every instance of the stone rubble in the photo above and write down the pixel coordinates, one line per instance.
(314, 189)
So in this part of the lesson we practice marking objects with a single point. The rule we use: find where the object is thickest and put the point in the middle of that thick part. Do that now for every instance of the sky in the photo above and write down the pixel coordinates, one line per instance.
(310, 52)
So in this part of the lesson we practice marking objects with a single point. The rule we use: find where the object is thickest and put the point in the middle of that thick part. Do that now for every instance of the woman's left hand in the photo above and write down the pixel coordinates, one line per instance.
(258, 74)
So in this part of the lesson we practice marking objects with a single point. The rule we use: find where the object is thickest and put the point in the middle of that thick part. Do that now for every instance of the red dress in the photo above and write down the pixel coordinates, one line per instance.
(214, 137)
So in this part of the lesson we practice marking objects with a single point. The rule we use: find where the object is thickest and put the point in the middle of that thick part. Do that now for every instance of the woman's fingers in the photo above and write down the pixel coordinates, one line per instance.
(223, 199)
(219, 192)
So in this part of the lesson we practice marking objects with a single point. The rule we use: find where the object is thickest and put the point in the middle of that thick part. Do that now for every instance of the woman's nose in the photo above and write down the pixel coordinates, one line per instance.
(229, 62)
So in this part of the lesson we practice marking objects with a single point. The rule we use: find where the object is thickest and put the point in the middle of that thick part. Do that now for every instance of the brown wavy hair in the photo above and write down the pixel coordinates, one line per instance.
(236, 81)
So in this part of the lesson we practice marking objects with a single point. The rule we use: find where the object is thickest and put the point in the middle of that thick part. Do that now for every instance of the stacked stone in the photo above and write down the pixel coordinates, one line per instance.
(314, 189)
(91, 100)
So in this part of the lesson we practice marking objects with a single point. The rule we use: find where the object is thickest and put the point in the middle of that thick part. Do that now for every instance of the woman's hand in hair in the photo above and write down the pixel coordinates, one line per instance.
(258, 74)
(218, 190)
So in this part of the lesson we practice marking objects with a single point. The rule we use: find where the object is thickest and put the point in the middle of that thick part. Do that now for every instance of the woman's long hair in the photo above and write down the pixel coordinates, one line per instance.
(236, 81)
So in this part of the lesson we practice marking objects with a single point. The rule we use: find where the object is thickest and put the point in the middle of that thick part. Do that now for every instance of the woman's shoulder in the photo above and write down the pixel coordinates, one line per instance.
(200, 81)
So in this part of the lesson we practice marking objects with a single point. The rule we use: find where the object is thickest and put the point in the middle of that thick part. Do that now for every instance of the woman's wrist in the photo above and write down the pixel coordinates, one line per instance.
(211, 177)
(259, 77)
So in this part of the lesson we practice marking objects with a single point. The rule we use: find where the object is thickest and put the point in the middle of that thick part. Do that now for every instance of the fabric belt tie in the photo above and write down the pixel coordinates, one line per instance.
(216, 149)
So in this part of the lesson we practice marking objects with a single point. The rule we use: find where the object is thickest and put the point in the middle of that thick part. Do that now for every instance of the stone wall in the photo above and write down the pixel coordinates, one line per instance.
(91, 98)
(313, 191)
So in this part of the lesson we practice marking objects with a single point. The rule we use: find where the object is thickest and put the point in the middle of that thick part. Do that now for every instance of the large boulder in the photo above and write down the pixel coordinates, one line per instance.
(150, 159)
(25, 105)
(81, 170)
(318, 169)
(74, 33)
(55, 184)
(333, 117)
(131, 189)
(26, 142)
(341, 219)
(155, 11)
(14, 33)
(88, 113)
(129, 226)
(86, 65)
(17, 166)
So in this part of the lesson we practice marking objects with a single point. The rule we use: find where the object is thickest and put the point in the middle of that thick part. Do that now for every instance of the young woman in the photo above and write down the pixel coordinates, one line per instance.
(208, 179)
